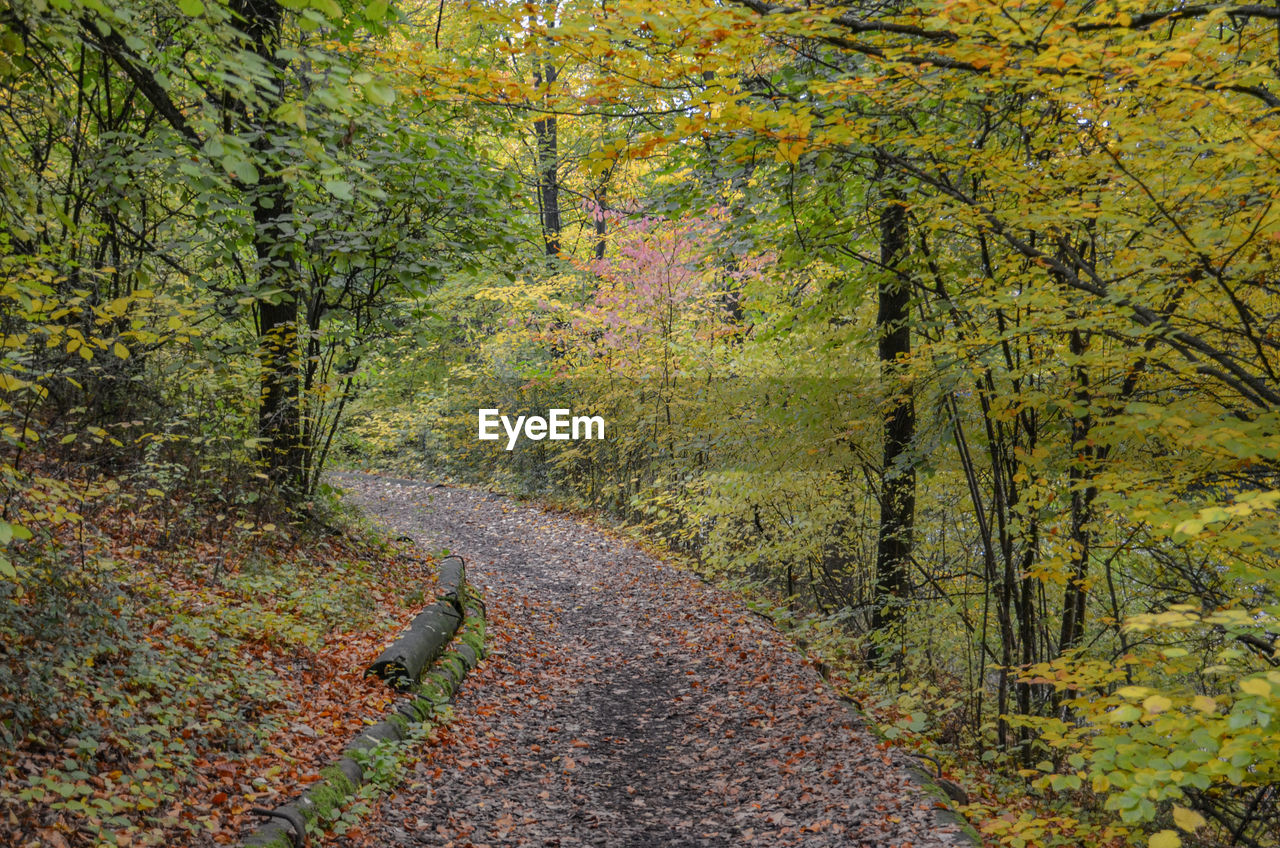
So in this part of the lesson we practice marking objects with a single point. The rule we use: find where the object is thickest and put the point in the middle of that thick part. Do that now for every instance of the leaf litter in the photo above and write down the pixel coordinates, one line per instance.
(626, 703)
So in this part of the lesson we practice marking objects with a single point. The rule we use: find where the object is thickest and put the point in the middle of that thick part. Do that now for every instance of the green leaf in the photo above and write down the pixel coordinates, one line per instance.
(340, 189)
(291, 112)
(245, 172)
(1128, 712)
(329, 8)
(379, 93)
(1062, 782)
(191, 8)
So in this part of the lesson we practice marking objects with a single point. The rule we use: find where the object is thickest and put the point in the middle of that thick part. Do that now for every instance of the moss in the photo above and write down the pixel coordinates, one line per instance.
(444, 682)
(279, 840)
(429, 690)
(421, 708)
(455, 666)
(334, 777)
(474, 639)
(326, 796)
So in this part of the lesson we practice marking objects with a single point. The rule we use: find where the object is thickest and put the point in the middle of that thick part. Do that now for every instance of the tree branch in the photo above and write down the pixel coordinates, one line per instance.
(112, 45)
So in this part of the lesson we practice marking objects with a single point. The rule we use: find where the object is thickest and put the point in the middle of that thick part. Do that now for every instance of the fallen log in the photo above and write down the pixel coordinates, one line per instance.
(401, 664)
(450, 580)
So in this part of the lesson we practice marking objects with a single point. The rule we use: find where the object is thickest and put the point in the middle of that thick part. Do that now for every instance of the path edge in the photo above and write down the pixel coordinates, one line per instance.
(286, 825)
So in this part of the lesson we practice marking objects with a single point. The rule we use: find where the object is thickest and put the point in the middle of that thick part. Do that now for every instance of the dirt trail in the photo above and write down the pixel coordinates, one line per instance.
(627, 704)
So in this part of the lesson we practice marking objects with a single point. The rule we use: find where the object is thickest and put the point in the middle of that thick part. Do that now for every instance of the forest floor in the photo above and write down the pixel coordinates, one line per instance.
(626, 703)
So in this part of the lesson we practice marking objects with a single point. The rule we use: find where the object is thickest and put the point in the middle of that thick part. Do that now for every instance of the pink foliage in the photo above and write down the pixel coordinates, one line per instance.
(656, 279)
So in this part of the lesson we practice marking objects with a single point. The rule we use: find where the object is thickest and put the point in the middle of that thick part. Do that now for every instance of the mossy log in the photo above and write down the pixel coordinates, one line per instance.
(287, 825)
(402, 663)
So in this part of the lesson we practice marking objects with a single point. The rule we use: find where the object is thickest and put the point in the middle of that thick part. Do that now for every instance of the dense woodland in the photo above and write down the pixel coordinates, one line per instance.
(948, 332)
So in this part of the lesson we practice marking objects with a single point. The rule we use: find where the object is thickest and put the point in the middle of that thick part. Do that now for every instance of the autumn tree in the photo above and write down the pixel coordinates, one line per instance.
(1069, 210)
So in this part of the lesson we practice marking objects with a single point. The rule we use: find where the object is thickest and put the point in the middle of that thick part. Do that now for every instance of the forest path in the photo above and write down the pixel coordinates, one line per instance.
(625, 703)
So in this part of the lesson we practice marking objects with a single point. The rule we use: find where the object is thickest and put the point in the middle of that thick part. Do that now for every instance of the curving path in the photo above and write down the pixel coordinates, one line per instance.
(627, 704)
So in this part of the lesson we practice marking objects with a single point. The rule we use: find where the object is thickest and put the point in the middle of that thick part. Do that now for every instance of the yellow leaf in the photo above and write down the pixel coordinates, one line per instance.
(1261, 688)
(1156, 704)
(790, 151)
(1132, 691)
(1165, 839)
(1186, 819)
(1204, 704)
(120, 350)
(9, 383)
(1190, 527)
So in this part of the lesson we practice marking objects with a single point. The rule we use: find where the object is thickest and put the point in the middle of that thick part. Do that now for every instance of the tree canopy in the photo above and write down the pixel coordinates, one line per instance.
(950, 329)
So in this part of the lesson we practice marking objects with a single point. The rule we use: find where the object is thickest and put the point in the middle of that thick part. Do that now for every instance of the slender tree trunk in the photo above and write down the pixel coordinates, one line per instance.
(545, 131)
(601, 223)
(897, 474)
(1075, 595)
(279, 418)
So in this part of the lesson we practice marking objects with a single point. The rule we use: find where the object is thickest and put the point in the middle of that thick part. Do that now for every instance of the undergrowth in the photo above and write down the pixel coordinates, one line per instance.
(921, 713)
(172, 661)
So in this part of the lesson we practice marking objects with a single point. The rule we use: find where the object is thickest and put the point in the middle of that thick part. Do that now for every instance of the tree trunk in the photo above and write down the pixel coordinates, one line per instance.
(279, 415)
(548, 168)
(279, 358)
(1076, 592)
(601, 223)
(897, 474)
